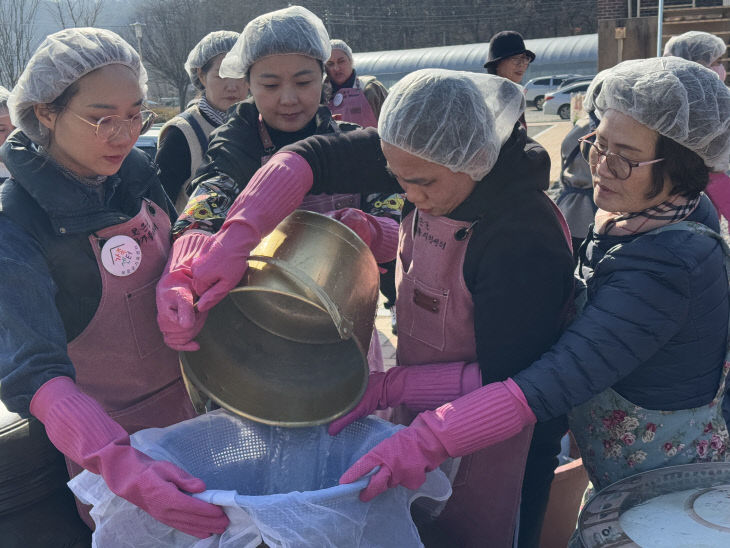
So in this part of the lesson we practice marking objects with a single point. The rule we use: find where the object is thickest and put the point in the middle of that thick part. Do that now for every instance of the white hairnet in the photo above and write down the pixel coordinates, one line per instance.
(341, 45)
(679, 99)
(701, 47)
(214, 43)
(4, 94)
(291, 30)
(60, 60)
(456, 119)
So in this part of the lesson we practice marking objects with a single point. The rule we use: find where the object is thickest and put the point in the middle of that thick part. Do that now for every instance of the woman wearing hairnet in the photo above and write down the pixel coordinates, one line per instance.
(6, 126)
(701, 47)
(85, 234)
(707, 50)
(641, 370)
(184, 139)
(472, 306)
(281, 54)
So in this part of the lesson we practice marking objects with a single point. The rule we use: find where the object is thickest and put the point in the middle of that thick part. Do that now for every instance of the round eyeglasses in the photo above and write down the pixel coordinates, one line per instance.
(108, 127)
(518, 60)
(619, 166)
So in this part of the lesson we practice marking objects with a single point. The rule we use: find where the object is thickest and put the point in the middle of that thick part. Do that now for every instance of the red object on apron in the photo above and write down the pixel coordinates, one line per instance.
(435, 314)
(121, 359)
(352, 106)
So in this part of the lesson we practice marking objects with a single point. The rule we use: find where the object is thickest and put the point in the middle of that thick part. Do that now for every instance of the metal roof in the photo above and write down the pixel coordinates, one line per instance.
(565, 54)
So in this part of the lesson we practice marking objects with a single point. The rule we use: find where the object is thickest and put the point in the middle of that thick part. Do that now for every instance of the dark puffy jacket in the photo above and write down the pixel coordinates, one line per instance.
(654, 327)
(234, 155)
(51, 281)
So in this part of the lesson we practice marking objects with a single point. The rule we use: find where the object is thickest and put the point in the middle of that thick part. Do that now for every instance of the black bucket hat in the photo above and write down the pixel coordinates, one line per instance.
(506, 44)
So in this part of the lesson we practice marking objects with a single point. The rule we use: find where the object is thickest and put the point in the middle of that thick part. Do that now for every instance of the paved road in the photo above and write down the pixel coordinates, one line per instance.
(537, 121)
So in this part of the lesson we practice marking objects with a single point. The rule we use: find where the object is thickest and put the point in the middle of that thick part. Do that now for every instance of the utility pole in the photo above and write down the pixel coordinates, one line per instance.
(137, 26)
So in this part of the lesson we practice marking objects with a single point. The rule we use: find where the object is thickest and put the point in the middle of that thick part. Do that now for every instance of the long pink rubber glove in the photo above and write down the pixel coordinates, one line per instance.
(177, 318)
(79, 427)
(492, 414)
(419, 387)
(380, 234)
(275, 191)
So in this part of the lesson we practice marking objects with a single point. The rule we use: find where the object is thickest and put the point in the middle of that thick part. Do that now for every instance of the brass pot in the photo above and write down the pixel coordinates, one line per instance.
(288, 346)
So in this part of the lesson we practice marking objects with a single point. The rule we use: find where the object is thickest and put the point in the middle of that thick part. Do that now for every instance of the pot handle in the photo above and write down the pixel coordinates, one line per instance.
(344, 325)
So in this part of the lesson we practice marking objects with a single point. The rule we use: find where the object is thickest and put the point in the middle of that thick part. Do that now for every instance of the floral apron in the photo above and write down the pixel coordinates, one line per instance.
(618, 439)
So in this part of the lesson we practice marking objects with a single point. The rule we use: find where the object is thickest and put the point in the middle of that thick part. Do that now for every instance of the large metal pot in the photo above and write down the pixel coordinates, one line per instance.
(289, 345)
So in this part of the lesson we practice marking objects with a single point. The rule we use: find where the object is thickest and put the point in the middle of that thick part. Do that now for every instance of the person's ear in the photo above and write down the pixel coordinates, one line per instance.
(45, 115)
(202, 77)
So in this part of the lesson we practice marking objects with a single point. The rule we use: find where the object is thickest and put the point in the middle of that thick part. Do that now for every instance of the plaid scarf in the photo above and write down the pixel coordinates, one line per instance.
(623, 224)
(218, 117)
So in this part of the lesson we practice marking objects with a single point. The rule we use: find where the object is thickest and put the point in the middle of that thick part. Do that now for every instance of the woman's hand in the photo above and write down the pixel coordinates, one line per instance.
(403, 459)
(274, 192)
(177, 316)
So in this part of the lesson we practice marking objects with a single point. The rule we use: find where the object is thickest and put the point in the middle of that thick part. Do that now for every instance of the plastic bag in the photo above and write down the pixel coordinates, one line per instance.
(277, 485)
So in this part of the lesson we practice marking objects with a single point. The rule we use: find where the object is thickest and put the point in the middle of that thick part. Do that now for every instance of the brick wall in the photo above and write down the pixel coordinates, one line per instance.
(612, 9)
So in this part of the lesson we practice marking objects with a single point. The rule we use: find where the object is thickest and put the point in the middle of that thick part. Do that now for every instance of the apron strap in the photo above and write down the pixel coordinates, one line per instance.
(269, 146)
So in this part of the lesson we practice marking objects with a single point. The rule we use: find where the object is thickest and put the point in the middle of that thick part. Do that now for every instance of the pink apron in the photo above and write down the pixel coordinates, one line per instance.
(435, 314)
(350, 105)
(120, 358)
(324, 203)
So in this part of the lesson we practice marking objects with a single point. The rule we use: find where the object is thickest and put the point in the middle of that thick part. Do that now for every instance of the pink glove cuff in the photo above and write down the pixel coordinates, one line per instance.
(430, 386)
(58, 404)
(276, 190)
(482, 418)
(50, 392)
(177, 269)
(385, 245)
(188, 246)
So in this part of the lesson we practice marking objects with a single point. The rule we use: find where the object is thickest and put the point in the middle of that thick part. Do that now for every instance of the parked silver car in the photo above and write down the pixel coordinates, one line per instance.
(575, 80)
(536, 89)
(558, 101)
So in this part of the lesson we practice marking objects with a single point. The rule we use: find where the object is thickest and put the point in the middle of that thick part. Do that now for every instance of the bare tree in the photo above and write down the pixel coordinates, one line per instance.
(17, 37)
(171, 28)
(75, 13)
(169, 33)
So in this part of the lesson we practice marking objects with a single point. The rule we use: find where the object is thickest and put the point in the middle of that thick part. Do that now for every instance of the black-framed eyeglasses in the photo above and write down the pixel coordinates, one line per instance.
(619, 166)
(108, 127)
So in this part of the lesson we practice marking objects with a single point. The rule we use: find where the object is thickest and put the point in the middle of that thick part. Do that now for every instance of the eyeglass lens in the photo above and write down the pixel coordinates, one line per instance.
(520, 60)
(617, 165)
(110, 126)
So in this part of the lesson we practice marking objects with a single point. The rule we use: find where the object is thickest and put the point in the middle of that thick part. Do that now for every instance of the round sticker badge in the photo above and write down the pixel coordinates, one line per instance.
(121, 255)
(337, 101)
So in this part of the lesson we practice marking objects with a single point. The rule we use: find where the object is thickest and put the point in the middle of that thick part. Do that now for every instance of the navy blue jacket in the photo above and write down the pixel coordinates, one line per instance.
(51, 285)
(654, 327)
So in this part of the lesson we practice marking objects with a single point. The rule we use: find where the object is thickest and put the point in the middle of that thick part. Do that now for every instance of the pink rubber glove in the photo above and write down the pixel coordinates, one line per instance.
(419, 387)
(79, 427)
(380, 234)
(492, 414)
(274, 192)
(177, 317)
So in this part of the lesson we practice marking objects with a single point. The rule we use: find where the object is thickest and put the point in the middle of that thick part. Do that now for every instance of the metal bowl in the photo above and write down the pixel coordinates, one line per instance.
(683, 505)
(289, 345)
